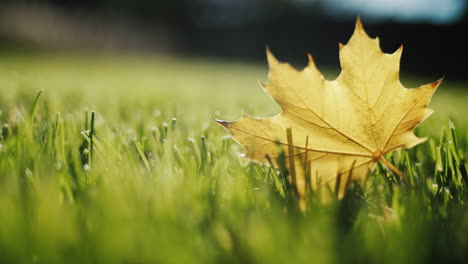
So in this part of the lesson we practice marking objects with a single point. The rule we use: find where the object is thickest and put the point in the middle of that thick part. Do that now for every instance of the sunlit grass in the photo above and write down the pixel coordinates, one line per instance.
(164, 183)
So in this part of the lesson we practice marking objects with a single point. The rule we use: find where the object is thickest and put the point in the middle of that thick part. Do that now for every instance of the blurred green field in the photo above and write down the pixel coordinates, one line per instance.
(165, 184)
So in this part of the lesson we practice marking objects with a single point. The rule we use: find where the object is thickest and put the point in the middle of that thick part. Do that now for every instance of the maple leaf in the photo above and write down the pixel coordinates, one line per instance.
(336, 131)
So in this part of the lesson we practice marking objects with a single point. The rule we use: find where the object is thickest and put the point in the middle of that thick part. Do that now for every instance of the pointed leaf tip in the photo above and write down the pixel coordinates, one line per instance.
(400, 49)
(223, 122)
(438, 82)
(359, 28)
(359, 23)
(270, 57)
(216, 120)
(311, 62)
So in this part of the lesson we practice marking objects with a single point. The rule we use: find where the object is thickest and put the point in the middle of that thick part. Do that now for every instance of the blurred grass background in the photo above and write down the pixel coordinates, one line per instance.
(103, 82)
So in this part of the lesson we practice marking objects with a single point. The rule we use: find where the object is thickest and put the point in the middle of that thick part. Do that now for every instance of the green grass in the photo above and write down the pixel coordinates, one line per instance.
(164, 184)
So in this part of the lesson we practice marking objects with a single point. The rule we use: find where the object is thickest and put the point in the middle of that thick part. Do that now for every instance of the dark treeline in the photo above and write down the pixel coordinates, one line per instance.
(242, 29)
(435, 50)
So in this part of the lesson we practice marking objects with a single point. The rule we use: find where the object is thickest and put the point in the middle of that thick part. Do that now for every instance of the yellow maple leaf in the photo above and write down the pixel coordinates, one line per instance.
(337, 130)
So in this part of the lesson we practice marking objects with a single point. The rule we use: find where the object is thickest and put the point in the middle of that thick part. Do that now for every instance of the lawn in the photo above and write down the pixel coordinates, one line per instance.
(163, 183)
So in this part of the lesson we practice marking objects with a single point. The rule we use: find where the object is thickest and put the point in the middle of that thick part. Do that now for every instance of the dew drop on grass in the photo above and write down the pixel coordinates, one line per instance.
(28, 173)
(451, 124)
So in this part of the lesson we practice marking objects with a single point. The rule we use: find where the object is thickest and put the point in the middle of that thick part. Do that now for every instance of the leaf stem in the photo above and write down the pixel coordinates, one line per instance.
(391, 167)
